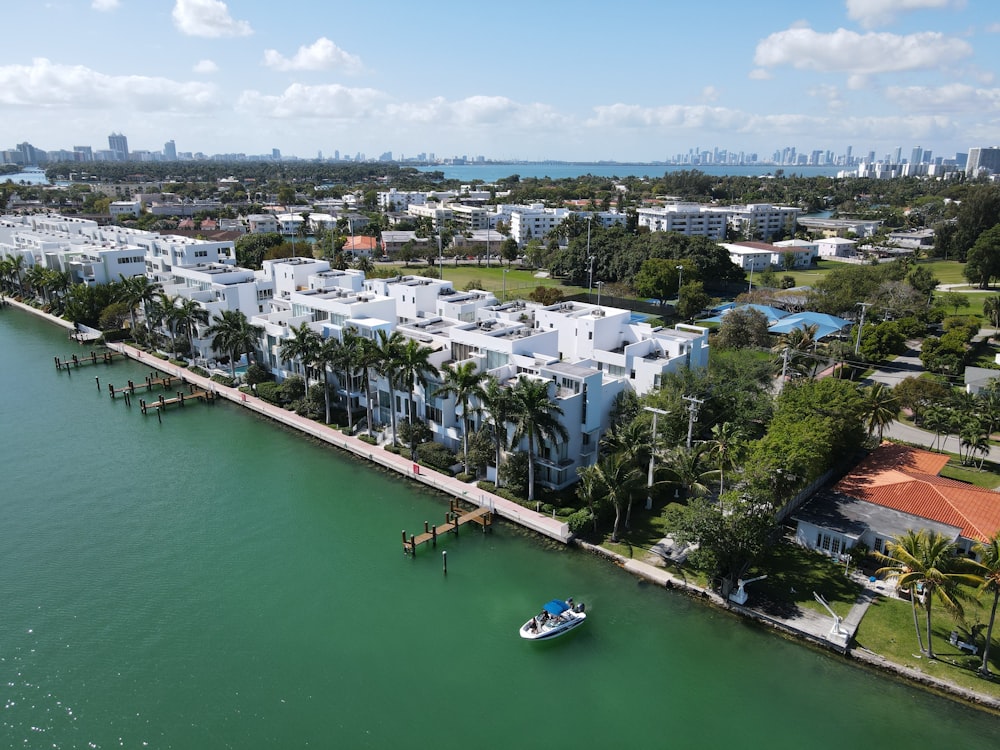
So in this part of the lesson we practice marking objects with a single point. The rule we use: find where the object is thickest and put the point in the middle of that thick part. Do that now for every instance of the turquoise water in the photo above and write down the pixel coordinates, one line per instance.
(215, 581)
(559, 171)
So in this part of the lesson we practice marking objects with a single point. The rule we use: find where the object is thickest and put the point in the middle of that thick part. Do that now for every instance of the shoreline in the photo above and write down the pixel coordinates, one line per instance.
(533, 521)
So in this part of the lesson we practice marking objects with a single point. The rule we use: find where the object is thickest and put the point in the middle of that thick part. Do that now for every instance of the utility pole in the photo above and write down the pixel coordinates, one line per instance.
(861, 325)
(693, 406)
(652, 455)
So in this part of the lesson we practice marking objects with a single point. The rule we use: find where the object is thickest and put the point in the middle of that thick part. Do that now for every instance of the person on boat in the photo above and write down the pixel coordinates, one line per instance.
(533, 625)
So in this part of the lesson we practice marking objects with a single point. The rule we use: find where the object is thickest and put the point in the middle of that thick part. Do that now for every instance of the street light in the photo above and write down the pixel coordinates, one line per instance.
(680, 278)
(599, 285)
(590, 284)
(652, 454)
(505, 272)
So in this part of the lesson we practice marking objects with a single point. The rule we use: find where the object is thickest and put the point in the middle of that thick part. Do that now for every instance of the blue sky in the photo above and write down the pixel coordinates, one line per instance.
(547, 79)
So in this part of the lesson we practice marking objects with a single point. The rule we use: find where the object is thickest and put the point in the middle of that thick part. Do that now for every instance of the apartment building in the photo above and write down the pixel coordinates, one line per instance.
(692, 219)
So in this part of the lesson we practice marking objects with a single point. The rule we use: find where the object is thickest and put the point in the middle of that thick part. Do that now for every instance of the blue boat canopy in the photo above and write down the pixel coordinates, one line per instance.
(556, 607)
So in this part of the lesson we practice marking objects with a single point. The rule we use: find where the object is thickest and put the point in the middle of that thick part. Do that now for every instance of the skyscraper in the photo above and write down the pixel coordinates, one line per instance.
(917, 155)
(118, 144)
(170, 151)
(983, 160)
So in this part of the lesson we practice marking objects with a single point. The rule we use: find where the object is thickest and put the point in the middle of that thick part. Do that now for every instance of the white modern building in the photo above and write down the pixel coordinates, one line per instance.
(692, 219)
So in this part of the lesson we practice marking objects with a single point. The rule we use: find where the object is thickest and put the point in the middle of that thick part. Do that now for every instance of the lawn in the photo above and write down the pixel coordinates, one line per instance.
(519, 283)
(793, 574)
(946, 271)
(887, 630)
(988, 477)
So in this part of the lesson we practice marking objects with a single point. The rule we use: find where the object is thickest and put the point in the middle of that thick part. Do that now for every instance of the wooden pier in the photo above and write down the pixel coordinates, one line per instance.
(152, 380)
(161, 403)
(454, 518)
(93, 358)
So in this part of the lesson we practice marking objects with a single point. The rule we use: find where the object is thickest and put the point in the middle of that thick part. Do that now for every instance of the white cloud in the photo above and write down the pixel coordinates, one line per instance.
(478, 111)
(859, 54)
(871, 13)
(205, 66)
(44, 84)
(710, 94)
(207, 18)
(331, 101)
(993, 28)
(320, 55)
(760, 74)
(955, 97)
(105, 5)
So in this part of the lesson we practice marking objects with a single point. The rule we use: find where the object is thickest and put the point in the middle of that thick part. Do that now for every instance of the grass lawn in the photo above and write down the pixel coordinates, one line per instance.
(989, 477)
(946, 271)
(793, 574)
(519, 282)
(887, 629)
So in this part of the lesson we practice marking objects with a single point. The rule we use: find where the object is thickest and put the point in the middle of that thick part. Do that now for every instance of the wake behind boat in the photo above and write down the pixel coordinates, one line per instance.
(557, 618)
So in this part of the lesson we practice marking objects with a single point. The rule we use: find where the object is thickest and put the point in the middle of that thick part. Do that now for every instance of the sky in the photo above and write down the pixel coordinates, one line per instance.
(570, 80)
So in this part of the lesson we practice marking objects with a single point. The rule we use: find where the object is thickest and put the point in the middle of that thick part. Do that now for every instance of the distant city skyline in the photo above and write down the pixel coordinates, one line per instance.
(532, 82)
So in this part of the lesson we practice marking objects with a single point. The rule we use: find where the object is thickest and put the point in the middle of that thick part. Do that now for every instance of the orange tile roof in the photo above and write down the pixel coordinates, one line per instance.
(360, 242)
(906, 479)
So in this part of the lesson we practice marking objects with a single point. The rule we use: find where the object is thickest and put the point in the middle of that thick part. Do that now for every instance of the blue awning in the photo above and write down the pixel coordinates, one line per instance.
(556, 607)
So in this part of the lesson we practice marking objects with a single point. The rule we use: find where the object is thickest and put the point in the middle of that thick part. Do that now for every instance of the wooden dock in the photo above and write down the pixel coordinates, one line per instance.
(152, 380)
(454, 518)
(93, 358)
(161, 403)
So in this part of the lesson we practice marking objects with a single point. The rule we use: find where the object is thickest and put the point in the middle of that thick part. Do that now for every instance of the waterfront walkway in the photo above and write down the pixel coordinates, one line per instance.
(470, 493)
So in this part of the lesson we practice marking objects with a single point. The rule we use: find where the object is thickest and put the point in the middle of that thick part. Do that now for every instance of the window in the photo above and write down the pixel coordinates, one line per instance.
(878, 544)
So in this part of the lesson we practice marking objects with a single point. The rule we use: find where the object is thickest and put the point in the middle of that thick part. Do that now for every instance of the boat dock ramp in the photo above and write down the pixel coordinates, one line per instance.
(93, 358)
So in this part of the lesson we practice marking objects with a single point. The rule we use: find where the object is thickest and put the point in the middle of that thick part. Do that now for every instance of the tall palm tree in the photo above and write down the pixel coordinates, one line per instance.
(233, 334)
(991, 309)
(620, 480)
(187, 314)
(725, 447)
(325, 355)
(880, 409)
(927, 559)
(136, 291)
(801, 344)
(535, 417)
(414, 367)
(989, 554)
(168, 309)
(588, 489)
(465, 382)
(367, 362)
(387, 354)
(633, 441)
(347, 359)
(301, 346)
(937, 419)
(498, 404)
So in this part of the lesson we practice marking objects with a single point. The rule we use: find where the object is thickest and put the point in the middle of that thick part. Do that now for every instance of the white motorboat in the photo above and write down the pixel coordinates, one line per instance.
(557, 618)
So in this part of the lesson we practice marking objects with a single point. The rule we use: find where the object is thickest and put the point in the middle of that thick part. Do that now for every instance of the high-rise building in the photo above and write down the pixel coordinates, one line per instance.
(983, 160)
(917, 155)
(897, 155)
(276, 154)
(170, 151)
(118, 144)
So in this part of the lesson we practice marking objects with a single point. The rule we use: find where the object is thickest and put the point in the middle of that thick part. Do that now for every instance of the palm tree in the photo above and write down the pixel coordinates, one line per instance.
(135, 291)
(937, 419)
(187, 313)
(927, 559)
(325, 355)
(588, 489)
(801, 344)
(498, 404)
(991, 309)
(233, 334)
(989, 554)
(387, 353)
(414, 367)
(620, 480)
(634, 442)
(347, 358)
(880, 409)
(168, 311)
(725, 446)
(972, 440)
(686, 468)
(367, 362)
(465, 382)
(535, 417)
(301, 346)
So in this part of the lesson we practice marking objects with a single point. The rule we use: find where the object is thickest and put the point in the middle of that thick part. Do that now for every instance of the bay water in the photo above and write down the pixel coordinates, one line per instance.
(213, 580)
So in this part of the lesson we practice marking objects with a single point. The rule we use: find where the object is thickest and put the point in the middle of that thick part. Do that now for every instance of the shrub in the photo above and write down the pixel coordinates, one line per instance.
(392, 448)
(270, 392)
(368, 439)
(418, 432)
(199, 371)
(436, 456)
(514, 474)
(178, 362)
(293, 388)
(463, 477)
(223, 380)
(257, 374)
(581, 520)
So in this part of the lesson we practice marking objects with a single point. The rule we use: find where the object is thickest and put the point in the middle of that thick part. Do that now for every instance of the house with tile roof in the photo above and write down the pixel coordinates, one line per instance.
(894, 490)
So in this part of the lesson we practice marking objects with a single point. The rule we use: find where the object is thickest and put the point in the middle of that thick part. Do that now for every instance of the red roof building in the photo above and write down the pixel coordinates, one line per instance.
(896, 489)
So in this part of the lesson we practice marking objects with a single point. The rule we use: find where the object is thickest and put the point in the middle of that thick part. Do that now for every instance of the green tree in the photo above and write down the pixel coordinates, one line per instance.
(232, 333)
(414, 367)
(742, 328)
(657, 278)
(536, 417)
(301, 345)
(880, 409)
(983, 262)
(465, 382)
(137, 291)
(989, 571)
(926, 561)
(387, 352)
(498, 403)
(619, 481)
(693, 299)
(991, 309)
